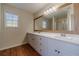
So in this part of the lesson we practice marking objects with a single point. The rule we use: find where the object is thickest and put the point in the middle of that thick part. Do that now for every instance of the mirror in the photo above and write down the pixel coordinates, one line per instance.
(61, 20)
(43, 24)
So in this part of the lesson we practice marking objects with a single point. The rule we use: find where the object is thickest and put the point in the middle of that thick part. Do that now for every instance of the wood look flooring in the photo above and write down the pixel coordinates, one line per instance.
(24, 50)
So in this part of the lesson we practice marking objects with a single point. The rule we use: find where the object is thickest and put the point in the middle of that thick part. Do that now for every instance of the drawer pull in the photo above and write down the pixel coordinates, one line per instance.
(56, 51)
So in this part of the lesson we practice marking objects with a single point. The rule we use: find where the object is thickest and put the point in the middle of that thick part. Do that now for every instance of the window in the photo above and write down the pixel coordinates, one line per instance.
(44, 24)
(11, 20)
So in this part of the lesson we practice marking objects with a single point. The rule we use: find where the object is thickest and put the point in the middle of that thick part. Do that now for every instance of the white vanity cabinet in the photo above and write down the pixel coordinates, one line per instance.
(61, 48)
(43, 43)
(52, 46)
(39, 43)
(30, 39)
(69, 50)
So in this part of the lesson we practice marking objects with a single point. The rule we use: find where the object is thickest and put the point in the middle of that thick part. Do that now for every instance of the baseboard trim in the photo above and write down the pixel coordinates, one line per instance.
(13, 46)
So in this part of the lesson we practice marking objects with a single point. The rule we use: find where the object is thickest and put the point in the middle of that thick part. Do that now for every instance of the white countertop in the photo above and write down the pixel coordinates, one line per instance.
(71, 38)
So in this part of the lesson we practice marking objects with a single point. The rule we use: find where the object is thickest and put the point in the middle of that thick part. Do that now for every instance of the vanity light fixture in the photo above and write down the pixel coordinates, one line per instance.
(49, 11)
(52, 9)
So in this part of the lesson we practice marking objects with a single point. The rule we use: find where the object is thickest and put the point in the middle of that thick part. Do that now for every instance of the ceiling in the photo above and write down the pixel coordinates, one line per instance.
(30, 7)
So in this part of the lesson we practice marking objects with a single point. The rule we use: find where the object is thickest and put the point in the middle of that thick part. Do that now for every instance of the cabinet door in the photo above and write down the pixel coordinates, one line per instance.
(53, 47)
(36, 42)
(31, 39)
(43, 46)
(61, 48)
(68, 49)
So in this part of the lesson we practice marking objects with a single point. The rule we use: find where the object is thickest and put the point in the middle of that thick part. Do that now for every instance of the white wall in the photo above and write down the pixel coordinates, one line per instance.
(1, 38)
(16, 36)
(0, 20)
(0, 17)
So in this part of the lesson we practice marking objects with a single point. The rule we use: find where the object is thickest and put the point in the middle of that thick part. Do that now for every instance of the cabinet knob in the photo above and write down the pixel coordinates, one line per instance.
(55, 50)
(58, 52)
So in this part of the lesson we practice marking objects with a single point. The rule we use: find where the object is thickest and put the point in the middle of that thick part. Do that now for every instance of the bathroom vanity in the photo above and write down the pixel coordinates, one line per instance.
(54, 44)
(63, 23)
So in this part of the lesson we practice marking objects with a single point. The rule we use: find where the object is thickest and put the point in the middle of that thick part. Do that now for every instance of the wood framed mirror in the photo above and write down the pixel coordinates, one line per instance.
(63, 20)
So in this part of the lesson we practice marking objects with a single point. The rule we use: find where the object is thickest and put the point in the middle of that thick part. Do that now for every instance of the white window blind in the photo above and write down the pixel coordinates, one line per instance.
(11, 20)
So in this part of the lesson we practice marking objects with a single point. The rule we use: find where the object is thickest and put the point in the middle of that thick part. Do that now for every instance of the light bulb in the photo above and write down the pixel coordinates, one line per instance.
(54, 8)
(51, 10)
(45, 13)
